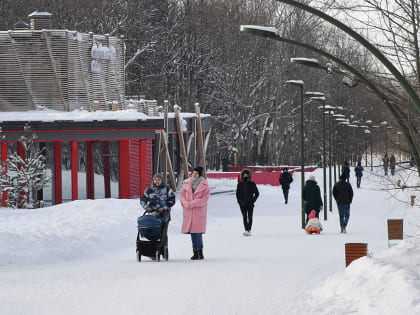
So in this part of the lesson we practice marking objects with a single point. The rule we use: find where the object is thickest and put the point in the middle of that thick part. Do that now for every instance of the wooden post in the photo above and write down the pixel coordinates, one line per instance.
(200, 140)
(181, 142)
(168, 159)
(355, 251)
(395, 230)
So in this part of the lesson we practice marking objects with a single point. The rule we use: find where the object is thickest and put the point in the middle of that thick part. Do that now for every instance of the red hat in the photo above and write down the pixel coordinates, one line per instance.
(312, 215)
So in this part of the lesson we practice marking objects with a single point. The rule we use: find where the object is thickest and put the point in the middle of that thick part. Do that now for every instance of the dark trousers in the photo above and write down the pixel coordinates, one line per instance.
(286, 193)
(359, 179)
(344, 212)
(197, 240)
(247, 216)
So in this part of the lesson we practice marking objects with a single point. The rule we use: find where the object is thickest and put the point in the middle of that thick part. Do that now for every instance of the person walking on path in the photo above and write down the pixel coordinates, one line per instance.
(386, 163)
(195, 195)
(246, 195)
(312, 197)
(346, 170)
(159, 198)
(392, 162)
(285, 180)
(343, 195)
(358, 170)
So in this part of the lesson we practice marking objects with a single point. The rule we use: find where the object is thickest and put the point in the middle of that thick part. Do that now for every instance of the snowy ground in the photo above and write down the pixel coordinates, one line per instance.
(79, 258)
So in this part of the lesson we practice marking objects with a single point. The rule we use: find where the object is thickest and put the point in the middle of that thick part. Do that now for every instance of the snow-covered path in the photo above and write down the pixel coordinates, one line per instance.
(278, 270)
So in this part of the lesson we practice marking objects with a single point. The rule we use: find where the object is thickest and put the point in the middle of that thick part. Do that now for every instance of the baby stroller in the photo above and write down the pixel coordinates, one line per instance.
(149, 236)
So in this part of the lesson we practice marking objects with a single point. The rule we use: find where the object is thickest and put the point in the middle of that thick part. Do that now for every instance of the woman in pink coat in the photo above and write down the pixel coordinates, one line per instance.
(194, 197)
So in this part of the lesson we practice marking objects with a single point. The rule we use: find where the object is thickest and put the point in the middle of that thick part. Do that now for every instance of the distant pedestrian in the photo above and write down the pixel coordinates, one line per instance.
(312, 197)
(246, 195)
(194, 198)
(343, 195)
(346, 170)
(285, 180)
(358, 170)
(392, 162)
(386, 164)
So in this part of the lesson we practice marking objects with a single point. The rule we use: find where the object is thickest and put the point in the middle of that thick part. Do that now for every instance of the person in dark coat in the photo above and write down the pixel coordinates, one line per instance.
(386, 164)
(285, 180)
(392, 162)
(159, 198)
(358, 170)
(246, 195)
(312, 197)
(346, 171)
(343, 195)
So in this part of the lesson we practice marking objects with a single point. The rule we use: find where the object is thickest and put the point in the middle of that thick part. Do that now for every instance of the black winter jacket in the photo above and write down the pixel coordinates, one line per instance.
(285, 180)
(312, 196)
(343, 193)
(246, 191)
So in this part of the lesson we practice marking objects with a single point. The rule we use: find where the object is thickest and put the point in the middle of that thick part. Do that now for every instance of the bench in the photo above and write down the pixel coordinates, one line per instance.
(395, 230)
(355, 251)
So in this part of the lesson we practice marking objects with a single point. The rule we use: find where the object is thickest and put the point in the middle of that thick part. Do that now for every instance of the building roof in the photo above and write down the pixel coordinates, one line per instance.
(40, 13)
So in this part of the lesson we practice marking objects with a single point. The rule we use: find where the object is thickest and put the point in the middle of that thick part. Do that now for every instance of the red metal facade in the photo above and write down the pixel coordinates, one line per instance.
(57, 173)
(74, 168)
(3, 161)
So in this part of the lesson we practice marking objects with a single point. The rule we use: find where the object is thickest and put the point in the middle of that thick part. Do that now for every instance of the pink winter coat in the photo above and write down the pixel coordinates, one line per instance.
(195, 206)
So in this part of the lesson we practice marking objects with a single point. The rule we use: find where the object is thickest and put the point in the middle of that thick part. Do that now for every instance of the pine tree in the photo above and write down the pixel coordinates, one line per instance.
(25, 175)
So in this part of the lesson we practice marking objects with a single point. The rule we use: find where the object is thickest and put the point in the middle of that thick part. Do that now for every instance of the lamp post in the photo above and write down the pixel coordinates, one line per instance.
(330, 147)
(337, 117)
(384, 123)
(299, 83)
(399, 143)
(318, 96)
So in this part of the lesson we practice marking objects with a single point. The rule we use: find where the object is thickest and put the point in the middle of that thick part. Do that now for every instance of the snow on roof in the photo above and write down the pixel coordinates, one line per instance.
(49, 115)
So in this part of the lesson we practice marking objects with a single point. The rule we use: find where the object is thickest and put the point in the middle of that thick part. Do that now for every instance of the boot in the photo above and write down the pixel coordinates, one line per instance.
(195, 256)
(342, 229)
(200, 254)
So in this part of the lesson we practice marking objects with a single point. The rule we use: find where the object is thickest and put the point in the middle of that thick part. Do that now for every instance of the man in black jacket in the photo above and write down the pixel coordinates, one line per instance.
(285, 180)
(246, 195)
(343, 195)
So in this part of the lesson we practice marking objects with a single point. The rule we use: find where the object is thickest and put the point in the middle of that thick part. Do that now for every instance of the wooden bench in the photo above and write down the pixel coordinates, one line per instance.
(355, 251)
(395, 230)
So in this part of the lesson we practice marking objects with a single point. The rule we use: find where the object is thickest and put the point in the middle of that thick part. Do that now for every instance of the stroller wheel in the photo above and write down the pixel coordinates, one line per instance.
(138, 256)
(165, 253)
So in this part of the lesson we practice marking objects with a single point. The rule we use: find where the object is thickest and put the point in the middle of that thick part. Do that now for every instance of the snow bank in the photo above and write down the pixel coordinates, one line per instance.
(375, 285)
(68, 231)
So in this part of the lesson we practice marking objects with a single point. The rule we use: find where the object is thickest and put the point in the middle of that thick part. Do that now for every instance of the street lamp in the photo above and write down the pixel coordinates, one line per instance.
(299, 83)
(318, 96)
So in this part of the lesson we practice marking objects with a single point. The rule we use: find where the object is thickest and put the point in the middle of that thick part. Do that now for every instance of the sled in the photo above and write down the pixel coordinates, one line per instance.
(313, 230)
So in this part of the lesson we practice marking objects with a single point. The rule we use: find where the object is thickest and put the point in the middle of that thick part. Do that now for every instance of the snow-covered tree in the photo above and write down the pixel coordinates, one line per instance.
(25, 175)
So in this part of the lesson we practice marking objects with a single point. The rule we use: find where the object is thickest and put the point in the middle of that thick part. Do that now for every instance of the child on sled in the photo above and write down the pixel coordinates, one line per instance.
(313, 225)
